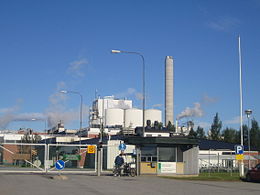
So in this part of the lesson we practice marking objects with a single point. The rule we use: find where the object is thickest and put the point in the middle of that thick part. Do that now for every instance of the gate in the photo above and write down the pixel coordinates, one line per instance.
(27, 157)
(22, 157)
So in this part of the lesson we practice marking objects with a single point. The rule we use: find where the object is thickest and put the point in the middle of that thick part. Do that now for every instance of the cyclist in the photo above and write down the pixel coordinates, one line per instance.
(119, 161)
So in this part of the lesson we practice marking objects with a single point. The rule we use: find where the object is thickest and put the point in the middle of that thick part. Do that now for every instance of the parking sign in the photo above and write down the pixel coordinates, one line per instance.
(239, 149)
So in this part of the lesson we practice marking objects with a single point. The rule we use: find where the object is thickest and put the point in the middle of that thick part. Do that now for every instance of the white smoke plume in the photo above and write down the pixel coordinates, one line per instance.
(196, 111)
(7, 115)
(57, 112)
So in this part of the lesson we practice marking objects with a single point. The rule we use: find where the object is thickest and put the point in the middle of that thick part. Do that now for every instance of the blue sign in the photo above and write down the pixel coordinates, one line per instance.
(60, 164)
(239, 149)
(122, 147)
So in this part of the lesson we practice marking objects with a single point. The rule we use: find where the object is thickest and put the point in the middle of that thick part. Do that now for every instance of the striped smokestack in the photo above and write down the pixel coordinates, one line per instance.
(169, 90)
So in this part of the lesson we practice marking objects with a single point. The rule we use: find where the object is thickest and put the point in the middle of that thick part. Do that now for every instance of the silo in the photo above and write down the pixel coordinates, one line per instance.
(153, 115)
(114, 116)
(169, 90)
(133, 118)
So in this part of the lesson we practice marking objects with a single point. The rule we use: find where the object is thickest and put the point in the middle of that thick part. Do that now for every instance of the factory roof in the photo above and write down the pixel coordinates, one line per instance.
(205, 144)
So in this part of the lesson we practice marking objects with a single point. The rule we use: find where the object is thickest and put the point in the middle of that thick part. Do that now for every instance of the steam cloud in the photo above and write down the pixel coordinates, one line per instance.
(196, 111)
(55, 113)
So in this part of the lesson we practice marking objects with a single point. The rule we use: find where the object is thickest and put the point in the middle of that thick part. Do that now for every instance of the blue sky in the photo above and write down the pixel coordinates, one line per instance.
(47, 46)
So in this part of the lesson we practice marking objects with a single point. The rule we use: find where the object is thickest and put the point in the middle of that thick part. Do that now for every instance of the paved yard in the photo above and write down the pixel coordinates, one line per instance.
(24, 184)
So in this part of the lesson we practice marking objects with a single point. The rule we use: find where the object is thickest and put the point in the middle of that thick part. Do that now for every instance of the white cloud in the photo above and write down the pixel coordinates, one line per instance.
(224, 24)
(76, 67)
(157, 106)
(130, 92)
(234, 120)
(204, 125)
(208, 100)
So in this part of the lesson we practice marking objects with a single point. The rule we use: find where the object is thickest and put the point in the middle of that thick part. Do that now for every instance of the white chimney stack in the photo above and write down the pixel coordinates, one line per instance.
(169, 90)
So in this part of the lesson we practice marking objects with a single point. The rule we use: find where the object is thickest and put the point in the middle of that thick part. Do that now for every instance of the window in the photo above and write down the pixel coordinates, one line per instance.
(167, 154)
(149, 153)
(179, 155)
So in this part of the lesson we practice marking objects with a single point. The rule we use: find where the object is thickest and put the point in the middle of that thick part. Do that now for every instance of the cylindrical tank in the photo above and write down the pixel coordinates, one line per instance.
(114, 116)
(169, 91)
(133, 117)
(153, 115)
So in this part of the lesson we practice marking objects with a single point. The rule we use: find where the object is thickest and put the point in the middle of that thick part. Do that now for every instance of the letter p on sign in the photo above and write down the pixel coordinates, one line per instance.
(239, 149)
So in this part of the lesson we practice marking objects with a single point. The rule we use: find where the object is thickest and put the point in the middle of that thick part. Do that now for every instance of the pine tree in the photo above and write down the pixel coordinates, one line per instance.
(255, 135)
(215, 129)
(229, 135)
(193, 133)
(200, 133)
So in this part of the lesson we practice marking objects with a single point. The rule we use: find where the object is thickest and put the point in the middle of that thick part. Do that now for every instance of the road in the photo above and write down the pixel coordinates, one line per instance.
(24, 184)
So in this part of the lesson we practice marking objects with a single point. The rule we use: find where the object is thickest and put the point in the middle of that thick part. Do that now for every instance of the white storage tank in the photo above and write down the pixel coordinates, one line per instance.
(114, 116)
(133, 117)
(153, 115)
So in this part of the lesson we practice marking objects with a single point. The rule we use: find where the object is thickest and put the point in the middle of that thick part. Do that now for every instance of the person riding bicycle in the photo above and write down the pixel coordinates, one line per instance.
(119, 161)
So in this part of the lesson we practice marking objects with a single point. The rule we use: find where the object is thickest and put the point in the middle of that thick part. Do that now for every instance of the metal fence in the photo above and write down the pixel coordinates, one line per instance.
(219, 161)
(25, 157)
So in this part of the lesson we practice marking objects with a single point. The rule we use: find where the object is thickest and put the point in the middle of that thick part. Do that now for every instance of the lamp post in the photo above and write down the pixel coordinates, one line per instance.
(242, 173)
(248, 112)
(45, 125)
(143, 79)
(81, 103)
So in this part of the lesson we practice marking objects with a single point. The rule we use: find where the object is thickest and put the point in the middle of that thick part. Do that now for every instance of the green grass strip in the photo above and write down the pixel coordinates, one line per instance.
(208, 177)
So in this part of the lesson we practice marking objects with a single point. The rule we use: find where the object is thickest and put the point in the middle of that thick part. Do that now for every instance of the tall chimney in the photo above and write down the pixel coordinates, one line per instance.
(169, 90)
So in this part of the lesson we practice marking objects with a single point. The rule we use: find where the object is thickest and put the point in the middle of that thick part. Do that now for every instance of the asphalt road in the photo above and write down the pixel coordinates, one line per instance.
(24, 184)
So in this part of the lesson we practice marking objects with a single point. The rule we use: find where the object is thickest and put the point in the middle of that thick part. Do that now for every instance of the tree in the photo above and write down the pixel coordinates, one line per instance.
(200, 133)
(170, 127)
(245, 134)
(230, 135)
(215, 129)
(31, 138)
(160, 125)
(255, 135)
(193, 133)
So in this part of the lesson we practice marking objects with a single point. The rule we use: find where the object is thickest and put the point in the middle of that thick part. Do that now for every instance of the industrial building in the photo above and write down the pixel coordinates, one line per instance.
(115, 115)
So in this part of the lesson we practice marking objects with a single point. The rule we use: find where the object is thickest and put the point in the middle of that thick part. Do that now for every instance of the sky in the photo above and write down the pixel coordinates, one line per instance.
(52, 45)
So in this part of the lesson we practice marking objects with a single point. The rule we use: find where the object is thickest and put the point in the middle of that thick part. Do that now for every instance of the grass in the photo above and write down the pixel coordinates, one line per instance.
(209, 177)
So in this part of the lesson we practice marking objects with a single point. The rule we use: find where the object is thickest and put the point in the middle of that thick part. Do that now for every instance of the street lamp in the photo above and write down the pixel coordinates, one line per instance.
(248, 112)
(45, 125)
(81, 103)
(136, 53)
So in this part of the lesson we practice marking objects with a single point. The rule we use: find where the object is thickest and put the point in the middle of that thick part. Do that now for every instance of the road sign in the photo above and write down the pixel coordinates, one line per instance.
(37, 163)
(122, 146)
(71, 157)
(91, 149)
(240, 157)
(239, 149)
(34, 152)
(60, 164)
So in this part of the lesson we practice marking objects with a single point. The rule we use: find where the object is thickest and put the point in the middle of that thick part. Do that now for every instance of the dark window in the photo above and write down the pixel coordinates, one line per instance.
(149, 153)
(179, 155)
(167, 154)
